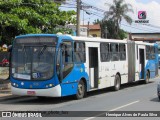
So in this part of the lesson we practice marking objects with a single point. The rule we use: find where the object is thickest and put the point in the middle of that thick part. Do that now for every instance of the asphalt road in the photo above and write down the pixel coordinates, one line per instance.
(131, 97)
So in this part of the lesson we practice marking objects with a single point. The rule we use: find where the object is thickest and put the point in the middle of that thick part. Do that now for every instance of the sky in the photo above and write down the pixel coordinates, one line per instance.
(152, 8)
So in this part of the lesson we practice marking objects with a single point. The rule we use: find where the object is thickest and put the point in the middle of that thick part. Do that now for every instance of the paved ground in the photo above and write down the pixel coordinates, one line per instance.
(131, 97)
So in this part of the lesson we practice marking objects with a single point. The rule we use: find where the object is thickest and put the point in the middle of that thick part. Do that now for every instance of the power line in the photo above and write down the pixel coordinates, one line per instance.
(95, 8)
(148, 30)
(67, 6)
(101, 10)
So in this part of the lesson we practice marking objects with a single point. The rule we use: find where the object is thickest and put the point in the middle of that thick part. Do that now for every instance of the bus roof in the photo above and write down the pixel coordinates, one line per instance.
(96, 39)
(87, 39)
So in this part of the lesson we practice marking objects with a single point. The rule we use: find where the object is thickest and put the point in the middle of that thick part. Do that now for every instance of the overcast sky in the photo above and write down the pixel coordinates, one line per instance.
(152, 8)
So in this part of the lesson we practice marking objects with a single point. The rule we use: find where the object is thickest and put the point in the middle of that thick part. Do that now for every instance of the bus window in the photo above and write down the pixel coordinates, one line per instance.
(105, 55)
(147, 52)
(67, 58)
(122, 52)
(114, 52)
(58, 65)
(152, 52)
(79, 52)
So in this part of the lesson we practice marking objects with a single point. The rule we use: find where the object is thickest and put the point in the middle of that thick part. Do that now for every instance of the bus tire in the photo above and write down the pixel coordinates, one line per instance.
(147, 78)
(81, 90)
(117, 83)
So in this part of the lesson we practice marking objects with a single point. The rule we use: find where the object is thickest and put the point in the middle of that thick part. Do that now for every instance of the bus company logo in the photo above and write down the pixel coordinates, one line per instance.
(142, 15)
(6, 114)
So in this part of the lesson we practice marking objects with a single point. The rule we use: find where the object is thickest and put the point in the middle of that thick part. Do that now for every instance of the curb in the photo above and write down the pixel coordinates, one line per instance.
(8, 97)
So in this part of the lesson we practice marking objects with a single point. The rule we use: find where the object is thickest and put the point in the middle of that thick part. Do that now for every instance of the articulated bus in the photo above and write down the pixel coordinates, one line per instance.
(50, 65)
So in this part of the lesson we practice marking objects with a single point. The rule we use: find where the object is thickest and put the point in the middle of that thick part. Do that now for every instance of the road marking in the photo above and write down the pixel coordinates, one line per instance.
(113, 109)
(124, 105)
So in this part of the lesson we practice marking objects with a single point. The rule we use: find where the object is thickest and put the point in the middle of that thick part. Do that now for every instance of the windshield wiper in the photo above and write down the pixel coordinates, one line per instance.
(42, 50)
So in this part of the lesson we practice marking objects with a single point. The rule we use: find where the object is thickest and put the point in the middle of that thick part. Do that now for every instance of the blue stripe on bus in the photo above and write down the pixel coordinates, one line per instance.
(36, 84)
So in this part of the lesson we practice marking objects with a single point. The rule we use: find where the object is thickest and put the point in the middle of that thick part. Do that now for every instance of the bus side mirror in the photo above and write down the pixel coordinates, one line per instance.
(9, 49)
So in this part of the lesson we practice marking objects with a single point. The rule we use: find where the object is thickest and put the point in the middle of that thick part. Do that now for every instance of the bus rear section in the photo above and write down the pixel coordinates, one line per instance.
(147, 61)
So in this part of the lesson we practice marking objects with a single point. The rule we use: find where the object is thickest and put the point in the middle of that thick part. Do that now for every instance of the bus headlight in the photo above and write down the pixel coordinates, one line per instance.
(15, 85)
(49, 85)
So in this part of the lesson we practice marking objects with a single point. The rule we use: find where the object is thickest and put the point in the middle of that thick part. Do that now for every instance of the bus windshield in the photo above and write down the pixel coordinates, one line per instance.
(33, 58)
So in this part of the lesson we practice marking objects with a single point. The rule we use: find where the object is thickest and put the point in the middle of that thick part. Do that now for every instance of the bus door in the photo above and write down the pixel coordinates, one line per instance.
(141, 63)
(93, 66)
(65, 61)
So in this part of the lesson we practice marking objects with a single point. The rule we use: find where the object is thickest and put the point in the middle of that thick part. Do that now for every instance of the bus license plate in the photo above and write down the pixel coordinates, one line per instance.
(31, 92)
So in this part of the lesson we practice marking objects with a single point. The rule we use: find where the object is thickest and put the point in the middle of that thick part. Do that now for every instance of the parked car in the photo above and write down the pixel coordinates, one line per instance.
(4, 63)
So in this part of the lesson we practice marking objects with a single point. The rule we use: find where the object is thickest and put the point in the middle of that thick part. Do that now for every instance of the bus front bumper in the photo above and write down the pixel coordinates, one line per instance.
(50, 92)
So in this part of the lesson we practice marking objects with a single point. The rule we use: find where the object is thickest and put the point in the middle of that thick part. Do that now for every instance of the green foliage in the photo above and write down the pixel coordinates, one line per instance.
(97, 21)
(31, 16)
(109, 27)
(122, 34)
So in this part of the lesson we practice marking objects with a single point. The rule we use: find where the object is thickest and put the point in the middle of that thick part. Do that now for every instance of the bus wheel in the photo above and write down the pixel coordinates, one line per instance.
(147, 78)
(81, 90)
(117, 83)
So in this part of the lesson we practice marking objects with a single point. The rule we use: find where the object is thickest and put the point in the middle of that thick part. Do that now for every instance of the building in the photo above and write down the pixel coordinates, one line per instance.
(146, 37)
(83, 30)
(93, 30)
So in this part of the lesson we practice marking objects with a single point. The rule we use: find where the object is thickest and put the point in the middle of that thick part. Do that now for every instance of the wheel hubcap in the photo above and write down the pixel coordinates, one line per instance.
(117, 83)
(80, 89)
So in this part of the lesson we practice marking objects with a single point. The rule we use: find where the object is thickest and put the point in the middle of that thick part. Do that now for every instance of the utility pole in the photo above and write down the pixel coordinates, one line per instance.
(88, 30)
(78, 17)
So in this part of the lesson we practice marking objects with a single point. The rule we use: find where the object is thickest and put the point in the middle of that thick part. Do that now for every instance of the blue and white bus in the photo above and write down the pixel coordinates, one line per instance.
(61, 65)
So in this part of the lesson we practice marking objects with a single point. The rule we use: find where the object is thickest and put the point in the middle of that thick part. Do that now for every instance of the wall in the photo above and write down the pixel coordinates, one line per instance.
(97, 32)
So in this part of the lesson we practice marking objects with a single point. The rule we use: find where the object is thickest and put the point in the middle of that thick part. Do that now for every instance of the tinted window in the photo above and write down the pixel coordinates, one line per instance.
(122, 51)
(147, 52)
(114, 51)
(79, 52)
(150, 52)
(67, 58)
(105, 54)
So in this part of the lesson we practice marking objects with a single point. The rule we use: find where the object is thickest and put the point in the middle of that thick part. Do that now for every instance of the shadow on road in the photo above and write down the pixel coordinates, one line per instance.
(24, 100)
(123, 87)
(155, 100)
(138, 83)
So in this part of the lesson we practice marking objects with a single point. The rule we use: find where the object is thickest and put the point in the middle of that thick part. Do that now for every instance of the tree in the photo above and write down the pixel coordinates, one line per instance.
(117, 12)
(109, 27)
(97, 21)
(31, 16)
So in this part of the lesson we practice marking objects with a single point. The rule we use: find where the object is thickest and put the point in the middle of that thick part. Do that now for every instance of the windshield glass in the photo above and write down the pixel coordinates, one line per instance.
(33, 58)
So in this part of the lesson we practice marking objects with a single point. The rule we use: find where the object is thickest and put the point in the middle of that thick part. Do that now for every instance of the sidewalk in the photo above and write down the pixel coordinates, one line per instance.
(5, 90)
